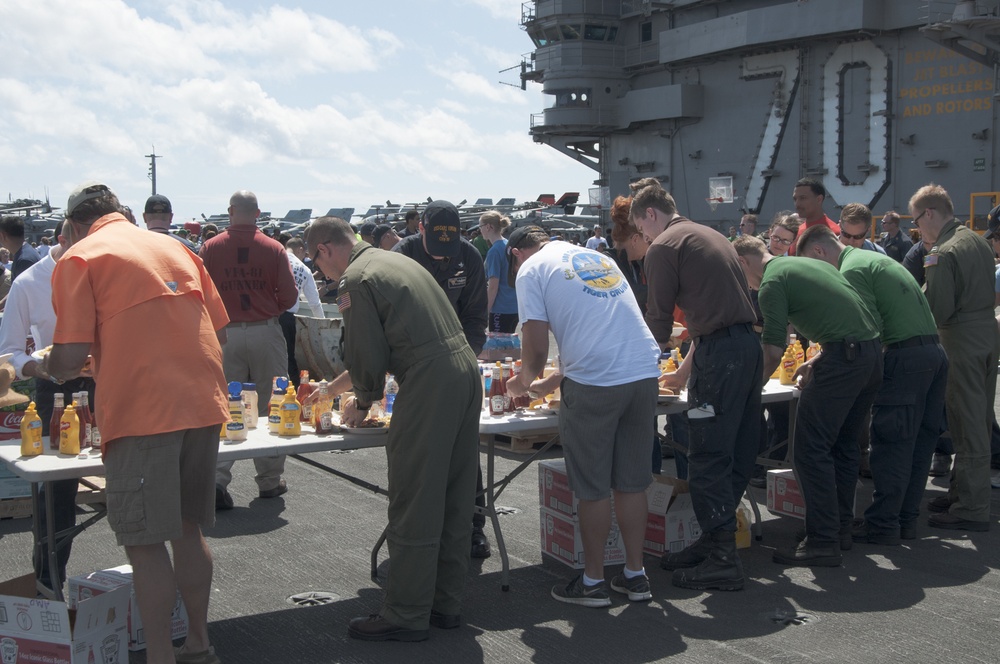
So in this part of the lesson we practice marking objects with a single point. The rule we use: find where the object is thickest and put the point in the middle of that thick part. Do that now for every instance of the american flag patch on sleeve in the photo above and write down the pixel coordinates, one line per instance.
(344, 301)
(930, 260)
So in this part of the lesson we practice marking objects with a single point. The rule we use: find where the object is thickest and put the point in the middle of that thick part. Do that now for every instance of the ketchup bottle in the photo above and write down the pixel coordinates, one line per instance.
(305, 389)
(58, 405)
(496, 391)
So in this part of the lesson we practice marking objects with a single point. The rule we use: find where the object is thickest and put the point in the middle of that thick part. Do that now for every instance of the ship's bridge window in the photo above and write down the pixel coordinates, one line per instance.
(570, 31)
(573, 98)
(551, 35)
(595, 32)
(612, 33)
(646, 31)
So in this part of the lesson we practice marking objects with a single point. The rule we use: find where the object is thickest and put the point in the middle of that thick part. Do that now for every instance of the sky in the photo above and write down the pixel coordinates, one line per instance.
(308, 104)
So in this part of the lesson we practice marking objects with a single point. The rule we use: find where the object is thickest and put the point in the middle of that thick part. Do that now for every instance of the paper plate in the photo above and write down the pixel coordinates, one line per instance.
(365, 431)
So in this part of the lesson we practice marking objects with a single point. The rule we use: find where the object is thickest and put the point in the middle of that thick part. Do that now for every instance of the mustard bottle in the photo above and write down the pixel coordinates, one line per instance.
(786, 374)
(290, 412)
(800, 354)
(69, 431)
(671, 366)
(812, 351)
(31, 432)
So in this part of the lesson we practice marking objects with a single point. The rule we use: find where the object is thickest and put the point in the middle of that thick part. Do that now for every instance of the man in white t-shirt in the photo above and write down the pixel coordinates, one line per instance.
(597, 239)
(609, 394)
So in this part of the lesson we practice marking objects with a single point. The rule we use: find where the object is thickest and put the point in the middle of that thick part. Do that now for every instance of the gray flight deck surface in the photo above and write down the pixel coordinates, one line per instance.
(931, 600)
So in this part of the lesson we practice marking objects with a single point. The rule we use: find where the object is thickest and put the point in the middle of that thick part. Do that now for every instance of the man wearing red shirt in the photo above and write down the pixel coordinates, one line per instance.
(808, 197)
(255, 281)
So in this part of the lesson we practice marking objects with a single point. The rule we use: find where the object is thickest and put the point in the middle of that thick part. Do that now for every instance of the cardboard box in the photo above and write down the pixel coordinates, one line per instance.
(681, 528)
(553, 488)
(45, 631)
(95, 584)
(10, 420)
(784, 495)
(658, 497)
(15, 508)
(560, 535)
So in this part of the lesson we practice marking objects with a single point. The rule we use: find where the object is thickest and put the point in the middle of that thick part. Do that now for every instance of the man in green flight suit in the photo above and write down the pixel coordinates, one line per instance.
(959, 271)
(398, 320)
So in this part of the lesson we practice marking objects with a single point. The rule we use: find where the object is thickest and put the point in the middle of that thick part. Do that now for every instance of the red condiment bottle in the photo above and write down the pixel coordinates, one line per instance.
(305, 389)
(497, 390)
(55, 422)
(86, 420)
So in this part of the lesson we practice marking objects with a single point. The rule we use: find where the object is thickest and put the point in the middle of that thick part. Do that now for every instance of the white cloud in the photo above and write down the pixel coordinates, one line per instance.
(502, 9)
(312, 109)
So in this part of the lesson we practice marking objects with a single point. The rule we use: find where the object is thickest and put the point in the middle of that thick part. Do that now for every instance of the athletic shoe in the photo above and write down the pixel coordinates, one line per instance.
(576, 593)
(637, 588)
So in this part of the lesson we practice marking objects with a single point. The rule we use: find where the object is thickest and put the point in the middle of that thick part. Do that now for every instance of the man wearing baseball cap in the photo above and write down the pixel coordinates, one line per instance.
(159, 461)
(458, 268)
(158, 214)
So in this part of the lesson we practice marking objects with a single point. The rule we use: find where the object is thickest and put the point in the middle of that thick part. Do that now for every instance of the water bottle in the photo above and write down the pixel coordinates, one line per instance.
(391, 388)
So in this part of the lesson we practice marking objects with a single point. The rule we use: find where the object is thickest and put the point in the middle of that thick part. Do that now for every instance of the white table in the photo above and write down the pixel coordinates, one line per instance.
(48, 468)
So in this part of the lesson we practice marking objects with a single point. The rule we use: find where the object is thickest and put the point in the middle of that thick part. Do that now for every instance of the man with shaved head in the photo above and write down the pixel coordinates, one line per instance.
(255, 280)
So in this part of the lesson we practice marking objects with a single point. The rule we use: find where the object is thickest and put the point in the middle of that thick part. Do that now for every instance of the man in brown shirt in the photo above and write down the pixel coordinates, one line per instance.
(694, 267)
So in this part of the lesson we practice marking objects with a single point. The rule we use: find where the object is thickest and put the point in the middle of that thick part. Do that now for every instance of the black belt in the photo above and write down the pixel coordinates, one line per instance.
(831, 345)
(731, 331)
(912, 342)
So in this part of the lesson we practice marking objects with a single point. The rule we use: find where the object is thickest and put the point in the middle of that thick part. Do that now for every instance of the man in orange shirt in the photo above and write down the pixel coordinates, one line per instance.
(115, 287)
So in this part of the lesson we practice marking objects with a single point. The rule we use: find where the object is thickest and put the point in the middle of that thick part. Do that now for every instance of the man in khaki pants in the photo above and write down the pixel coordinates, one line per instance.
(255, 281)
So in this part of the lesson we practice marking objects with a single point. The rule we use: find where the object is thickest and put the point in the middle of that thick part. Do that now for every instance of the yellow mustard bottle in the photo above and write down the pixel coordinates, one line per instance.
(812, 351)
(69, 431)
(786, 372)
(290, 410)
(800, 354)
(31, 432)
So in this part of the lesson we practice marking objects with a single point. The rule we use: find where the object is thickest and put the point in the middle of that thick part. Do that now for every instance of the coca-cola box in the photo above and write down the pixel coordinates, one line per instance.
(10, 421)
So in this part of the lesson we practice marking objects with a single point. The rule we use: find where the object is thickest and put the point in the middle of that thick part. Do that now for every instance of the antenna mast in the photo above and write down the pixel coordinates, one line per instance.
(152, 167)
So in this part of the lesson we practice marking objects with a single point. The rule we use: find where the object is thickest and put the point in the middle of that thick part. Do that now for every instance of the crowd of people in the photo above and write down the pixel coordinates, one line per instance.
(909, 349)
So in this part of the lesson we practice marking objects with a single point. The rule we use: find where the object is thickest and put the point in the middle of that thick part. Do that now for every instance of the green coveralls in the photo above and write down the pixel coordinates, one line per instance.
(398, 320)
(960, 291)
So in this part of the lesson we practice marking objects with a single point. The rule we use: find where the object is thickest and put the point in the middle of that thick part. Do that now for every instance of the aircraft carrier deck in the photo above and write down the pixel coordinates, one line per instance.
(930, 600)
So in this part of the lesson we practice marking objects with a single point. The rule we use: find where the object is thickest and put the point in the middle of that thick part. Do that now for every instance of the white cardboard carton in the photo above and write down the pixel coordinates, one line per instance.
(553, 488)
(658, 497)
(42, 631)
(560, 535)
(96, 583)
(784, 495)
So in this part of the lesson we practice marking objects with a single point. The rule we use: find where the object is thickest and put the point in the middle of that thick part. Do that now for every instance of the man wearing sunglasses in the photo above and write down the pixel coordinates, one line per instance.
(959, 270)
(855, 227)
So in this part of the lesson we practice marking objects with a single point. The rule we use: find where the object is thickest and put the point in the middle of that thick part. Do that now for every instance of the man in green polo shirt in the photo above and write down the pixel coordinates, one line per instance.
(908, 413)
(838, 387)
(959, 271)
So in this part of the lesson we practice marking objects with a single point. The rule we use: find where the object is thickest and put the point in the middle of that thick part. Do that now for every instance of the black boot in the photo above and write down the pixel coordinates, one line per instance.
(689, 557)
(721, 570)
